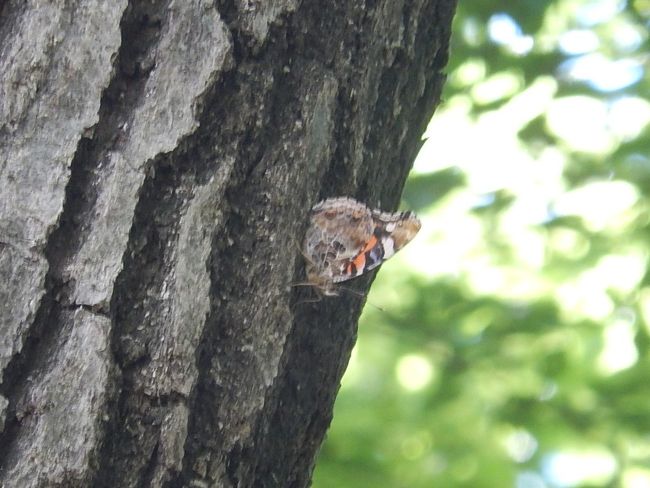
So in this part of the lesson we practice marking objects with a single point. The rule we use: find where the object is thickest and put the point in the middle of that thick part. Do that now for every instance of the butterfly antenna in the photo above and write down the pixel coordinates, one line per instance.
(360, 295)
(310, 300)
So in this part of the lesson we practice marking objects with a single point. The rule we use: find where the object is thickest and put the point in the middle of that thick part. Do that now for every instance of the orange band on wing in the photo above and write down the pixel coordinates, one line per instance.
(370, 244)
(359, 260)
(356, 265)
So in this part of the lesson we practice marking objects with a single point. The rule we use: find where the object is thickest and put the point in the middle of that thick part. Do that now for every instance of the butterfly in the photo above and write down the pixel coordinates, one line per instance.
(346, 238)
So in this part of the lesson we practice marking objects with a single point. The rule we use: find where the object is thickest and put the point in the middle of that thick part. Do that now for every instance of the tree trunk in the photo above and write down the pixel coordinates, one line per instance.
(158, 162)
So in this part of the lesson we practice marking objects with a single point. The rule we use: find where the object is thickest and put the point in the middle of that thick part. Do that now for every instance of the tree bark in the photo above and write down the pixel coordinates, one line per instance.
(158, 162)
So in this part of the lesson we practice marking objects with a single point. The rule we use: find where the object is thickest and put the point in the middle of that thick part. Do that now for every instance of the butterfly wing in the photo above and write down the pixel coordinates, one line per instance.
(392, 231)
(345, 239)
(339, 231)
(395, 230)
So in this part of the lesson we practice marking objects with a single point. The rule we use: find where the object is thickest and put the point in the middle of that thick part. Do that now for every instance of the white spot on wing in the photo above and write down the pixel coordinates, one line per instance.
(389, 247)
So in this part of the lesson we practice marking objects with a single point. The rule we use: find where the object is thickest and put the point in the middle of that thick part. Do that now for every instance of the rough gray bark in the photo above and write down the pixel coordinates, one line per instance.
(157, 163)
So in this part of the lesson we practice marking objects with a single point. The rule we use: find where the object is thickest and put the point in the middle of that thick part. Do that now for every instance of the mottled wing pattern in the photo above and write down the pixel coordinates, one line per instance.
(393, 232)
(345, 239)
(329, 245)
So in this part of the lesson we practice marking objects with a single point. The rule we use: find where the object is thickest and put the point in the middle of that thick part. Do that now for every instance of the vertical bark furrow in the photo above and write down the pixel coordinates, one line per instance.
(160, 303)
(172, 69)
(189, 53)
(50, 88)
(161, 297)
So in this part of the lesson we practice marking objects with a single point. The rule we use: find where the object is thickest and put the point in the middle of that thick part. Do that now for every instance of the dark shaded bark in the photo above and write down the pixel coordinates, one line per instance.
(158, 161)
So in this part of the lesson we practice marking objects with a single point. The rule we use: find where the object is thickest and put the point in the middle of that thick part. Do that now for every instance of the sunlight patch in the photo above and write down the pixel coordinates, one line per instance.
(601, 204)
(619, 350)
(520, 445)
(581, 122)
(414, 372)
(574, 468)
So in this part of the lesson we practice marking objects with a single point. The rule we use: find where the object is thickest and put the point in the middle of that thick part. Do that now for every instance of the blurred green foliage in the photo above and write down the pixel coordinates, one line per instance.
(513, 345)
